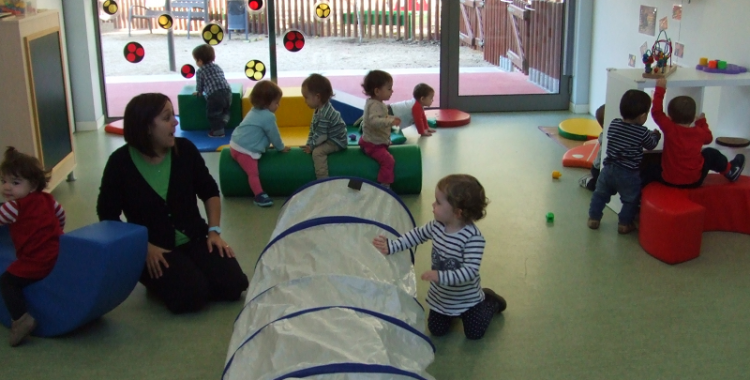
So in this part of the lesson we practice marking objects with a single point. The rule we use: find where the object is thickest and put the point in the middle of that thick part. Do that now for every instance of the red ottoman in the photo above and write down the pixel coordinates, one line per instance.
(673, 220)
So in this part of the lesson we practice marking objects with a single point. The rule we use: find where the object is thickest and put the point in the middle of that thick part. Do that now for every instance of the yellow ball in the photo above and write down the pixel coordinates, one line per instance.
(165, 21)
(109, 7)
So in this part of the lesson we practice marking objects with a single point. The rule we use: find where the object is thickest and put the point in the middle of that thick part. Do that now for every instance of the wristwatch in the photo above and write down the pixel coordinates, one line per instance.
(216, 229)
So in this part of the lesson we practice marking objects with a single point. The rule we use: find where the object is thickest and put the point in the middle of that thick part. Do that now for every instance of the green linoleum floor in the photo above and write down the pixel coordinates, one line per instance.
(582, 304)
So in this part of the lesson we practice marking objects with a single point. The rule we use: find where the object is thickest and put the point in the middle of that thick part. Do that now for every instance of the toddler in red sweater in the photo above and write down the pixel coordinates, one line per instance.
(684, 162)
(35, 221)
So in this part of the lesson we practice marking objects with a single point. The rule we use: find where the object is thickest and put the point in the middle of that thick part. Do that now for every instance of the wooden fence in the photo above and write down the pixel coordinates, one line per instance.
(400, 19)
(489, 26)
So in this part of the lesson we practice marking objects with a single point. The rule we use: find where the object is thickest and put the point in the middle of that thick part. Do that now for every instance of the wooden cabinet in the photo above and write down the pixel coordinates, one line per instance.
(34, 107)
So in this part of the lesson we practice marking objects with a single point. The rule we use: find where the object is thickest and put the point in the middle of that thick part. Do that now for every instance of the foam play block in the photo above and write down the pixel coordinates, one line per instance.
(351, 107)
(114, 127)
(448, 118)
(673, 220)
(97, 268)
(282, 173)
(579, 129)
(192, 109)
(581, 156)
(297, 136)
(292, 112)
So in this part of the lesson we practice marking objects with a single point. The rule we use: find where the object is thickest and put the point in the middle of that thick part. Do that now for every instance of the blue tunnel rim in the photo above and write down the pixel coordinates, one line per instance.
(394, 321)
(286, 283)
(367, 181)
(328, 220)
(349, 368)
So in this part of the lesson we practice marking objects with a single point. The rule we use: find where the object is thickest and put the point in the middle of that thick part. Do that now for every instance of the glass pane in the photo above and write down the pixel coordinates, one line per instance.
(400, 37)
(510, 47)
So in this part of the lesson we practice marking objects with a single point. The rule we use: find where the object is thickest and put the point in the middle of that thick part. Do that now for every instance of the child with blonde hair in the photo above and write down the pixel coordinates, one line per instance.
(36, 222)
(412, 111)
(457, 249)
(254, 134)
(327, 128)
(376, 124)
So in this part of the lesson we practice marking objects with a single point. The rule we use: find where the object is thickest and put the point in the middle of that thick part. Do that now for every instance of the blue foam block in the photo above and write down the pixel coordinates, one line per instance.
(98, 267)
(350, 106)
(201, 140)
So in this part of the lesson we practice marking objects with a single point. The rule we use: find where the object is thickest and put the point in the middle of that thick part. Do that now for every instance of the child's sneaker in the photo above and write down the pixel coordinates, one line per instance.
(625, 228)
(584, 181)
(500, 300)
(263, 200)
(737, 165)
(212, 134)
(21, 328)
(593, 224)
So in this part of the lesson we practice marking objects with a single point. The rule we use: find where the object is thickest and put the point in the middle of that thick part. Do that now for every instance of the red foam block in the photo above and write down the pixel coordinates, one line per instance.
(448, 118)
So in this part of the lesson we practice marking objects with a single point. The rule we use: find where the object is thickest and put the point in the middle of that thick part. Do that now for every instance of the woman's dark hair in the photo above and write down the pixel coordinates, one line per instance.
(264, 93)
(375, 79)
(139, 116)
(205, 53)
(465, 193)
(24, 166)
(319, 85)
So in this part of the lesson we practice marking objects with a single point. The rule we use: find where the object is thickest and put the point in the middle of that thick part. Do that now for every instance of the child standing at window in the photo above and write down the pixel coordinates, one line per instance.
(457, 249)
(376, 124)
(210, 80)
(327, 129)
(254, 134)
(36, 222)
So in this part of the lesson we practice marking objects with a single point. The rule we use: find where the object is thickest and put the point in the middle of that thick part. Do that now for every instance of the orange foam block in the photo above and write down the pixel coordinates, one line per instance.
(581, 156)
(447, 118)
(114, 128)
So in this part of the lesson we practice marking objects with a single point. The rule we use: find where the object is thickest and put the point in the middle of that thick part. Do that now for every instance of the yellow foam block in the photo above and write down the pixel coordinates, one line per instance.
(292, 112)
(579, 129)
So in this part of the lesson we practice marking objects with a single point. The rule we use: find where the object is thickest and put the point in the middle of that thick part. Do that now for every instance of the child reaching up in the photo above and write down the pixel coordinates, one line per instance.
(457, 249)
(376, 123)
(36, 222)
(685, 163)
(327, 129)
(210, 80)
(254, 134)
(412, 111)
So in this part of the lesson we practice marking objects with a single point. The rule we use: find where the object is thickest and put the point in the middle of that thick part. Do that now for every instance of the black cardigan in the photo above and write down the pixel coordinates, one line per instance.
(124, 190)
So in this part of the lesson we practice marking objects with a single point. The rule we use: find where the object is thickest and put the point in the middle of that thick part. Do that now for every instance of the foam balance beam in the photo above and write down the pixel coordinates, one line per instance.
(673, 220)
(283, 173)
(97, 269)
(192, 109)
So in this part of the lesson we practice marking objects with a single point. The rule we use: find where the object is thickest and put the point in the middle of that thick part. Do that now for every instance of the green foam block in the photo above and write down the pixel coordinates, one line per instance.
(283, 173)
(192, 109)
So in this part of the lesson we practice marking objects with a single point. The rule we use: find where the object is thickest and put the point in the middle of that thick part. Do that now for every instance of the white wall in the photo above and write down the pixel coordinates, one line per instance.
(716, 29)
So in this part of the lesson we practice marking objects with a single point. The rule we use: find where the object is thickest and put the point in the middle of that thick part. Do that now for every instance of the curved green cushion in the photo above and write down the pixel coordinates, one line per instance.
(283, 173)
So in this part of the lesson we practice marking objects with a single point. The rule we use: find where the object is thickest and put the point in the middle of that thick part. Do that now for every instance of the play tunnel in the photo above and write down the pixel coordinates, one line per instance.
(323, 302)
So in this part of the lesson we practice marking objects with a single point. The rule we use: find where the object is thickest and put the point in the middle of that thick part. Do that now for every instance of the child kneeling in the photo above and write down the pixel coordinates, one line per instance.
(457, 249)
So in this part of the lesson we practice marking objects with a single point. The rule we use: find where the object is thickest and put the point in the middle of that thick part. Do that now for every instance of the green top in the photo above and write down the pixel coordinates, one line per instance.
(157, 176)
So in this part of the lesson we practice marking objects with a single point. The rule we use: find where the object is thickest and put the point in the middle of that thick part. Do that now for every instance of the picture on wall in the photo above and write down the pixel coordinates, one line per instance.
(663, 24)
(679, 49)
(644, 47)
(677, 12)
(647, 21)
(631, 60)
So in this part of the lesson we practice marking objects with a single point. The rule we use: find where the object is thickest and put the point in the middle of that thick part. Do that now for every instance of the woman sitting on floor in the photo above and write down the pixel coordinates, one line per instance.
(154, 180)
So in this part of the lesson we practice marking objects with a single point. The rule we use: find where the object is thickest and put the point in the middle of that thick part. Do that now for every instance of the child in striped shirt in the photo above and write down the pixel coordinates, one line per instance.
(35, 221)
(327, 129)
(626, 139)
(457, 248)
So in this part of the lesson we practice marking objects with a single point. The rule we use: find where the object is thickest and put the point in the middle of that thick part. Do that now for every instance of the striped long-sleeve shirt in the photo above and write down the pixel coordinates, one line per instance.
(625, 144)
(327, 124)
(456, 257)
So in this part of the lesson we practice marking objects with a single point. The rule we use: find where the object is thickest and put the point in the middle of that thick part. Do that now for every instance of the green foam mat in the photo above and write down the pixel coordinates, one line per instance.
(283, 173)
(192, 109)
